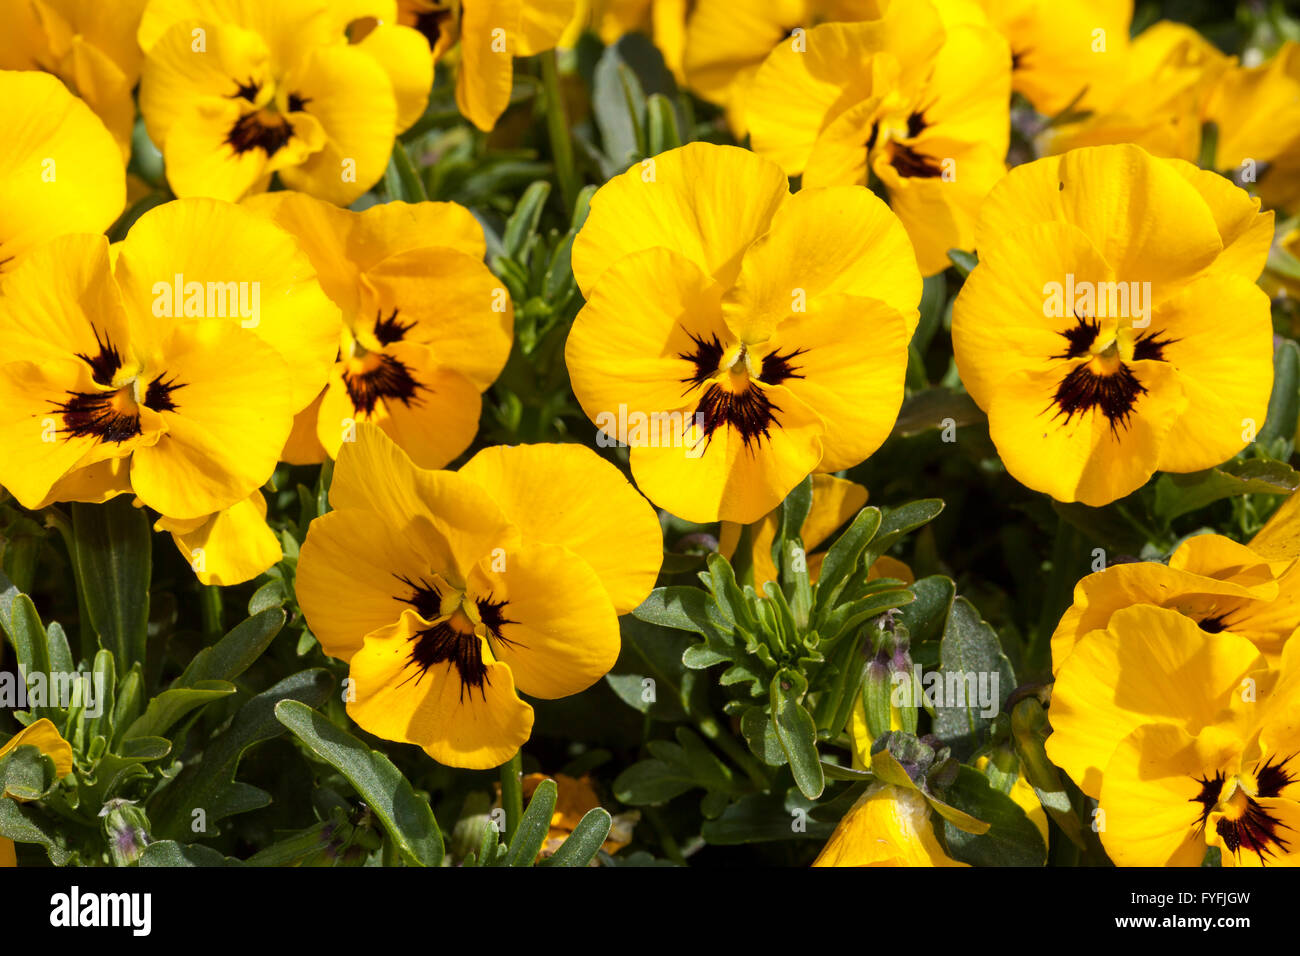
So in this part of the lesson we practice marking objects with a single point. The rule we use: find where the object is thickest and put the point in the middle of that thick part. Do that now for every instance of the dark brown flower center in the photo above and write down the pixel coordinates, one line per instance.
(743, 404)
(452, 640)
(1248, 827)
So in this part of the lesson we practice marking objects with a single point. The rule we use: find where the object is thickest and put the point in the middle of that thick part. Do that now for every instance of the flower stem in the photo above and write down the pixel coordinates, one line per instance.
(512, 792)
(557, 126)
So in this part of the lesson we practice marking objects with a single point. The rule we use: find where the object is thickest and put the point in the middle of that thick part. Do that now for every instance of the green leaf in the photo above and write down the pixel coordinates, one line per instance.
(534, 825)
(26, 773)
(171, 705)
(1011, 840)
(971, 665)
(522, 224)
(654, 655)
(797, 732)
(964, 262)
(208, 783)
(897, 522)
(763, 817)
(22, 625)
(925, 617)
(1284, 404)
(682, 608)
(936, 409)
(170, 853)
(236, 652)
(653, 782)
(662, 133)
(113, 560)
(843, 556)
(1179, 494)
(584, 842)
(401, 179)
(407, 817)
(22, 825)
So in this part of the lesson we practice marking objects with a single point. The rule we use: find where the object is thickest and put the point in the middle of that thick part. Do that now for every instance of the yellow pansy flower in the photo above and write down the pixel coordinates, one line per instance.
(233, 92)
(446, 591)
(763, 334)
(89, 45)
(171, 368)
(1185, 738)
(1218, 584)
(1159, 101)
(1064, 52)
(427, 327)
(486, 36)
(1091, 332)
(918, 99)
(888, 826)
(44, 736)
(60, 171)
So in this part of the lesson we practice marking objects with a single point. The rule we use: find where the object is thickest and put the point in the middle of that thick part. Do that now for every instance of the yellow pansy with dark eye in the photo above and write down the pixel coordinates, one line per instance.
(233, 93)
(60, 171)
(745, 337)
(1092, 331)
(427, 327)
(916, 100)
(448, 592)
(171, 367)
(1185, 737)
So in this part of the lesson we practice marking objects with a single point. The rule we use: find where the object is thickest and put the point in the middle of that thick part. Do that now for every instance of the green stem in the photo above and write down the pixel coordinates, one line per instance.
(715, 732)
(666, 840)
(557, 126)
(512, 792)
(210, 605)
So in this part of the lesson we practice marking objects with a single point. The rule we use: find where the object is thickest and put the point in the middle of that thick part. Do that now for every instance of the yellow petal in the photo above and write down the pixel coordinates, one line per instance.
(45, 737)
(824, 242)
(60, 170)
(460, 310)
(231, 546)
(888, 826)
(568, 495)
(373, 473)
(351, 571)
(404, 55)
(724, 477)
(461, 725)
(705, 202)
(1149, 665)
(849, 359)
(1226, 378)
(352, 99)
(555, 643)
(1146, 220)
(234, 409)
(240, 259)
(490, 37)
